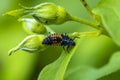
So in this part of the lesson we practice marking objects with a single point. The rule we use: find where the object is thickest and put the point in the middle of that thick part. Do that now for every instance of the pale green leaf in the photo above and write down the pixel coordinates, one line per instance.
(81, 73)
(109, 11)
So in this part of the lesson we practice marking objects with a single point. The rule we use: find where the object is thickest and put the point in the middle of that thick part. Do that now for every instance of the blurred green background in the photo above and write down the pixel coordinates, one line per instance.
(26, 66)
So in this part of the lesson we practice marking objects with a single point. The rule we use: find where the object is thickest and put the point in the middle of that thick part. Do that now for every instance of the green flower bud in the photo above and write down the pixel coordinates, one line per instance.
(49, 13)
(31, 26)
(32, 43)
(46, 13)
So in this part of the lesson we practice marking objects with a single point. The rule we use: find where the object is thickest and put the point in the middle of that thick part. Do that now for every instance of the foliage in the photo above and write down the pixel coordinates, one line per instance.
(72, 66)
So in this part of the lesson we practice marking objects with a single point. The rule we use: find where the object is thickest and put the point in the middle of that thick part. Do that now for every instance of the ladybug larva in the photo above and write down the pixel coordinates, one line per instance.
(59, 40)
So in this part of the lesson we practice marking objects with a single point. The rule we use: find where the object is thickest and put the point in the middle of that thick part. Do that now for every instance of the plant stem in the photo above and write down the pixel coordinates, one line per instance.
(94, 16)
(85, 34)
(87, 8)
(73, 18)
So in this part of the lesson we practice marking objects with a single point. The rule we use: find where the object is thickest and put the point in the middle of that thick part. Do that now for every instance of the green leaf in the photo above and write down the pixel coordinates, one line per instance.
(56, 70)
(90, 73)
(109, 11)
(81, 73)
(112, 76)
(111, 67)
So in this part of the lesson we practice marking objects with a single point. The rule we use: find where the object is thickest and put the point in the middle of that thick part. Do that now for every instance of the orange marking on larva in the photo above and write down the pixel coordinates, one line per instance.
(53, 36)
(60, 36)
(54, 39)
(54, 42)
(59, 40)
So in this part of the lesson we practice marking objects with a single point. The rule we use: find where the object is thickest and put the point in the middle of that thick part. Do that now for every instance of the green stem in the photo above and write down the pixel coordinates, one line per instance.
(85, 34)
(94, 16)
(84, 22)
(88, 8)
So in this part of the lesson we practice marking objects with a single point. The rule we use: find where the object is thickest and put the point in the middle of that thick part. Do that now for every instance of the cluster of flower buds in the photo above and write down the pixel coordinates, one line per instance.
(31, 26)
(46, 13)
(41, 15)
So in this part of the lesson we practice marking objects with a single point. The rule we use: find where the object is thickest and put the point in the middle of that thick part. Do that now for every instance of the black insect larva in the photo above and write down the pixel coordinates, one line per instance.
(59, 40)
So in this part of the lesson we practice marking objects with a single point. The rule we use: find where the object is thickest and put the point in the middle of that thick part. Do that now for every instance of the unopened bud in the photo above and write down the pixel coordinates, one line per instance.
(32, 43)
(46, 13)
(31, 26)
(49, 13)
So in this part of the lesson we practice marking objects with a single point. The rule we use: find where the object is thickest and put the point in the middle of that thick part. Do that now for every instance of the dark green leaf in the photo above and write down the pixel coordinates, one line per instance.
(111, 67)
